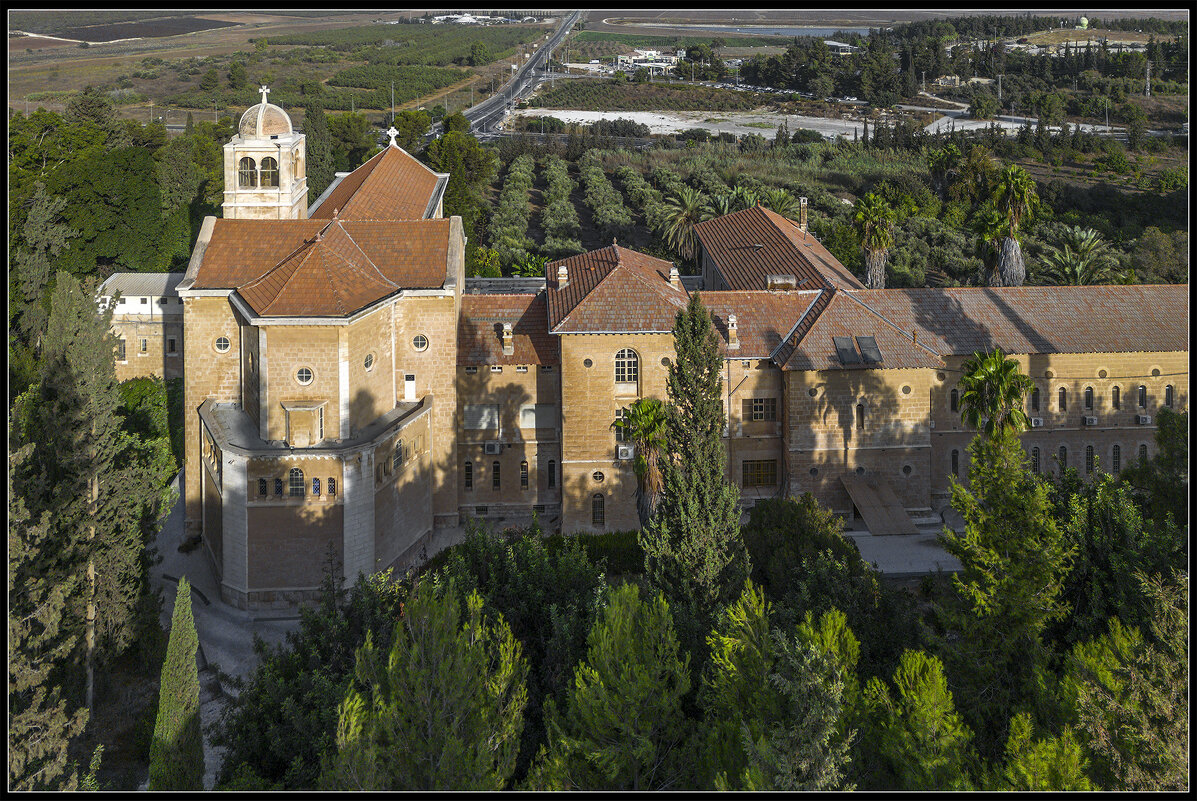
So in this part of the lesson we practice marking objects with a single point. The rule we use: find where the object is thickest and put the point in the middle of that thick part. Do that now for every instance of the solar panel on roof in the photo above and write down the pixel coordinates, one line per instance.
(869, 350)
(845, 350)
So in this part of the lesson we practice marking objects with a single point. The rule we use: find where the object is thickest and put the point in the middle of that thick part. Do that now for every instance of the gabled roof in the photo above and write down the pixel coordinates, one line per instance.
(749, 245)
(326, 275)
(393, 185)
(844, 315)
(133, 284)
(1041, 319)
(762, 319)
(285, 270)
(612, 289)
(480, 330)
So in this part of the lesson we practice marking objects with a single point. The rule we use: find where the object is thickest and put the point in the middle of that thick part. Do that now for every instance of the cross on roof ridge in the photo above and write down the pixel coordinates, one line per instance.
(265, 90)
(393, 132)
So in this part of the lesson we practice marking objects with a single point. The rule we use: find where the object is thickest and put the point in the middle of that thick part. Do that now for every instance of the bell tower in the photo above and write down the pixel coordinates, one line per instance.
(264, 167)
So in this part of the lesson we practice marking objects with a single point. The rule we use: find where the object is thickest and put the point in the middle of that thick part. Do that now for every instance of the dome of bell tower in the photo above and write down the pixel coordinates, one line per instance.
(264, 120)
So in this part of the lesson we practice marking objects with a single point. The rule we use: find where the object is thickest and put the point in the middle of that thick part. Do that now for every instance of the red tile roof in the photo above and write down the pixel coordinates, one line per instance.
(612, 289)
(749, 245)
(392, 185)
(279, 264)
(480, 330)
(845, 316)
(762, 318)
(1041, 319)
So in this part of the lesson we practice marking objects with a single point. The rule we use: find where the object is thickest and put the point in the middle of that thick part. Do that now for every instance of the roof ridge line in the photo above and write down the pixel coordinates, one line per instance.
(365, 255)
(798, 322)
(893, 325)
(333, 284)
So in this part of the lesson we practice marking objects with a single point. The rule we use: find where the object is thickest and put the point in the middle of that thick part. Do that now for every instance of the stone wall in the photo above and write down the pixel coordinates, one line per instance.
(157, 358)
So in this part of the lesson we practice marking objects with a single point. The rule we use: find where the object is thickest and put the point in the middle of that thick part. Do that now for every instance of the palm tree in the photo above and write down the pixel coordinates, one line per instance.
(1078, 257)
(993, 391)
(944, 165)
(1016, 198)
(875, 222)
(743, 198)
(992, 227)
(679, 214)
(780, 202)
(643, 425)
(718, 206)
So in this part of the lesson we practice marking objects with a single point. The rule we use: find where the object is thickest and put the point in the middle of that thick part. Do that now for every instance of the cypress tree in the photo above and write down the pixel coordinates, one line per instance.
(177, 751)
(319, 148)
(693, 551)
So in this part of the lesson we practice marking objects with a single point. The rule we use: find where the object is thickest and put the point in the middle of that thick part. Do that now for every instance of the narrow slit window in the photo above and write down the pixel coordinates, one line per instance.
(1035, 400)
(1089, 460)
(468, 475)
(552, 473)
(1116, 398)
(1116, 459)
(1035, 460)
(524, 475)
(956, 463)
(1063, 399)
(598, 514)
(1142, 396)
(1088, 398)
(494, 475)
(955, 400)
(860, 415)
(1168, 396)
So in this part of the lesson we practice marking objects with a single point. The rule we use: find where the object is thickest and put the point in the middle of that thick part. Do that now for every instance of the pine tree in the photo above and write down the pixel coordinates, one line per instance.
(693, 551)
(623, 725)
(319, 148)
(41, 721)
(177, 751)
(189, 128)
(442, 710)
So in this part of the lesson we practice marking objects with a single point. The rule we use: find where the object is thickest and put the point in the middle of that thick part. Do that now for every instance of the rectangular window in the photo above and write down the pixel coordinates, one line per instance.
(538, 415)
(552, 473)
(471, 370)
(523, 368)
(261, 488)
(480, 416)
(320, 436)
(546, 368)
(120, 350)
(496, 368)
(760, 472)
(145, 301)
(468, 475)
(494, 475)
(523, 475)
(171, 345)
(332, 487)
(143, 345)
(759, 410)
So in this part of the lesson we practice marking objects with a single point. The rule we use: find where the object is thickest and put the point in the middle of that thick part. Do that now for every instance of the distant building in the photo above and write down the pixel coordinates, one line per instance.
(840, 48)
(147, 318)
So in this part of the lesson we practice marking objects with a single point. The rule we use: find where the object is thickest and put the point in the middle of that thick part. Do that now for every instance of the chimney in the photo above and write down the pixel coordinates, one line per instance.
(914, 334)
(562, 275)
(802, 214)
(508, 348)
(675, 279)
(733, 335)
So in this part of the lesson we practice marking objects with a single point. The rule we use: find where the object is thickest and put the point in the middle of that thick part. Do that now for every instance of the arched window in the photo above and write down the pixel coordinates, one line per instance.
(860, 416)
(956, 463)
(296, 477)
(1063, 399)
(955, 400)
(261, 488)
(247, 173)
(269, 172)
(1168, 396)
(1142, 396)
(469, 475)
(1088, 398)
(1034, 460)
(1116, 461)
(1142, 453)
(627, 367)
(1035, 399)
(598, 514)
(1089, 459)
(494, 475)
(1116, 398)
(1062, 457)
(524, 475)
(552, 473)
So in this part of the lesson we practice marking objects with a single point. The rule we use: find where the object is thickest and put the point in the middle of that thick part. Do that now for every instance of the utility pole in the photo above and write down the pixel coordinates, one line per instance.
(924, 80)
(151, 111)
(999, 89)
(1107, 116)
(1147, 87)
(392, 102)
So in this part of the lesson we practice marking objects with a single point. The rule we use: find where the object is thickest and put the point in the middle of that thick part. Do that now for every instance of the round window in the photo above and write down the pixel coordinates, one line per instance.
(587, 363)
(664, 361)
(1048, 374)
(814, 471)
(369, 361)
(1155, 373)
(860, 471)
(905, 390)
(304, 376)
(812, 392)
(420, 342)
(1102, 374)
(222, 344)
(940, 376)
(597, 475)
(907, 469)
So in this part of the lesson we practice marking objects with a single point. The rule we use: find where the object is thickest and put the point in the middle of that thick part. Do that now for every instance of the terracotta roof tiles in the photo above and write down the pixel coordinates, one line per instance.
(762, 318)
(392, 185)
(612, 289)
(480, 330)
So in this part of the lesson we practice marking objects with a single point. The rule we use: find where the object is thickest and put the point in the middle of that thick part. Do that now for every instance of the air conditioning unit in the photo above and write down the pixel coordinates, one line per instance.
(625, 452)
(492, 448)
(1090, 421)
(1036, 422)
(1143, 419)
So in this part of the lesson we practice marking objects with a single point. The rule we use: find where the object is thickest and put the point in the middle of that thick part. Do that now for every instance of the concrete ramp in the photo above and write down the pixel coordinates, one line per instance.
(878, 505)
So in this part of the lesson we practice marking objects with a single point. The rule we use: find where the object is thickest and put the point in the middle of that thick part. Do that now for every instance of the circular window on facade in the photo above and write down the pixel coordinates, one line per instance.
(587, 363)
(664, 361)
(1155, 373)
(940, 376)
(907, 469)
(1048, 374)
(860, 471)
(598, 476)
(1102, 374)
(814, 471)
(221, 344)
(369, 361)
(813, 391)
(419, 342)
(304, 376)
(905, 390)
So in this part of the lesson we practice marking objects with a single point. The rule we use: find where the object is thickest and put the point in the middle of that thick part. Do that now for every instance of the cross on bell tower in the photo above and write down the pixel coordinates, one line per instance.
(392, 132)
(265, 91)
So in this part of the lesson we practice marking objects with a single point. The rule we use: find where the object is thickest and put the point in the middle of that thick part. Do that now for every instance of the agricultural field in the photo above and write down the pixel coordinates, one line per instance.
(606, 95)
(151, 28)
